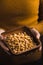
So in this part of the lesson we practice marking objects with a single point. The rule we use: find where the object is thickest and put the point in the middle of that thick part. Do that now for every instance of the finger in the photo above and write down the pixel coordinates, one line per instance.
(1, 31)
(3, 46)
(36, 33)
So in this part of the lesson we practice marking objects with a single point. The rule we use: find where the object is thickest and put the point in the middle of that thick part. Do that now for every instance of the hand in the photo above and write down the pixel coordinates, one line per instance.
(2, 44)
(36, 33)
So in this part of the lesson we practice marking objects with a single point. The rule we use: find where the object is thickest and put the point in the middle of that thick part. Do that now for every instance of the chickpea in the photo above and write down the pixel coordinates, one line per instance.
(19, 42)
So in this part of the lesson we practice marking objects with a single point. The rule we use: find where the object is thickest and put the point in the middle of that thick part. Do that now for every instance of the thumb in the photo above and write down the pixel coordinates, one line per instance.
(36, 33)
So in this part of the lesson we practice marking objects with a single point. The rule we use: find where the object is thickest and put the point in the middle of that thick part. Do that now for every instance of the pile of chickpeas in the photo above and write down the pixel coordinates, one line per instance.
(19, 42)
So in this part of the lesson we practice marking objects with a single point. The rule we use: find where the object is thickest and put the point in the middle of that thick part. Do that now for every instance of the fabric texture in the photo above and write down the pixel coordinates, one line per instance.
(22, 12)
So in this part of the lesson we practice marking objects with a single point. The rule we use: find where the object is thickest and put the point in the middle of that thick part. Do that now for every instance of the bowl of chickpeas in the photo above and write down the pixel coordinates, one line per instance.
(23, 45)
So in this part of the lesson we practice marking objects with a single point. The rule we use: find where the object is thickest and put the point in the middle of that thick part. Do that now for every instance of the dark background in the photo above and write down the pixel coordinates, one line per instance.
(41, 10)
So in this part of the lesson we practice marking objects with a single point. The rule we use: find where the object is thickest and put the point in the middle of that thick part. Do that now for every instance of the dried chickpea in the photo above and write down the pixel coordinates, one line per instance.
(20, 42)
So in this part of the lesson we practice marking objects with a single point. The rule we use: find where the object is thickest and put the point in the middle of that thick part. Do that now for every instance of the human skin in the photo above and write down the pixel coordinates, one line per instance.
(33, 30)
